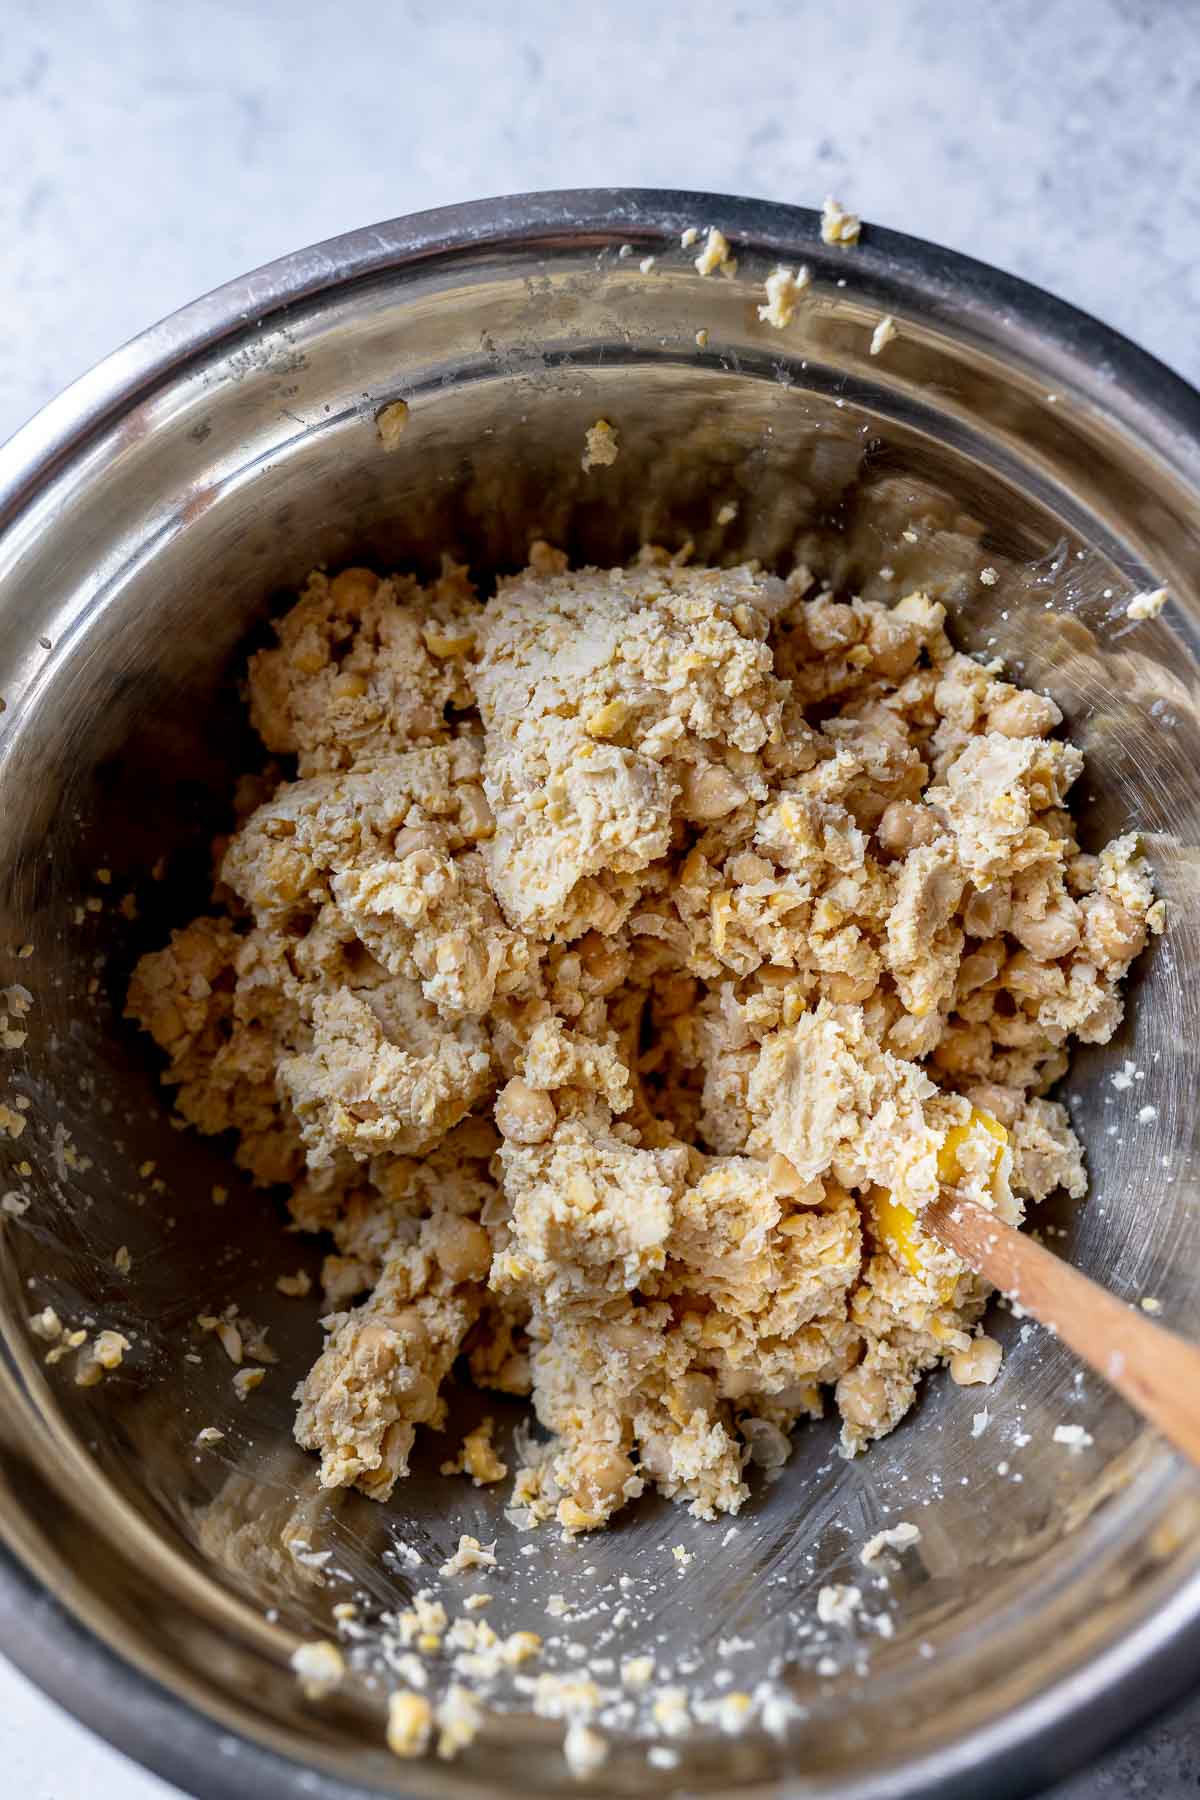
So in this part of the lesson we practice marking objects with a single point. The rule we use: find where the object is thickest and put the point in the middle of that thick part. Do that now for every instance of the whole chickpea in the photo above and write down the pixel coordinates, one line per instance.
(862, 1399)
(978, 1364)
(599, 1477)
(525, 1114)
(904, 826)
(709, 792)
(352, 589)
(1055, 933)
(463, 1249)
(964, 1050)
(1022, 714)
(1112, 932)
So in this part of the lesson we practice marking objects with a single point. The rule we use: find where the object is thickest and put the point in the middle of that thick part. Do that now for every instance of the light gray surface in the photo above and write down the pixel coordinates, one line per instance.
(149, 151)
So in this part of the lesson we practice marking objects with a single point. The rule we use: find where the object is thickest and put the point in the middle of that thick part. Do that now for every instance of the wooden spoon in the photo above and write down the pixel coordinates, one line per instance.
(1156, 1371)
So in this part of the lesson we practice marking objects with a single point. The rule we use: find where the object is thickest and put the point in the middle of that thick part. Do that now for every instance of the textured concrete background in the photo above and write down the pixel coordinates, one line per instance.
(150, 149)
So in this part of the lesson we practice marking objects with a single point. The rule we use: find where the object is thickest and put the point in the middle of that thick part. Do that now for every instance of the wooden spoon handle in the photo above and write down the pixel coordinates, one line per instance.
(1156, 1371)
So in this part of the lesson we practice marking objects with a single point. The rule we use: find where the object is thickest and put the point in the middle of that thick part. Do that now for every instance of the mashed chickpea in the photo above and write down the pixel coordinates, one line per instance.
(622, 968)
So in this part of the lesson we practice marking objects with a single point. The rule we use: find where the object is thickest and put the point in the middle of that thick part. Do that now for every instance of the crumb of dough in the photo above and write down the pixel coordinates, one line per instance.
(391, 422)
(520, 1647)
(16, 1001)
(647, 263)
(837, 225)
(459, 1719)
(702, 339)
(884, 333)
(989, 576)
(612, 976)
(246, 1380)
(689, 237)
(89, 1371)
(1147, 605)
(296, 1286)
(784, 288)
(209, 1434)
(837, 1603)
(477, 1457)
(715, 255)
(1149, 1304)
(46, 1325)
(226, 1332)
(424, 1623)
(108, 1348)
(409, 1723)
(669, 1711)
(471, 1554)
(893, 1537)
(585, 1750)
(733, 1712)
(11, 1122)
(727, 513)
(1074, 1436)
(320, 1667)
(602, 446)
(978, 1364)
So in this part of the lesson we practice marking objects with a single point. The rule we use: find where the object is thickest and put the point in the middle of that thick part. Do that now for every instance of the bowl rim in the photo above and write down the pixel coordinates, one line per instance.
(1157, 1662)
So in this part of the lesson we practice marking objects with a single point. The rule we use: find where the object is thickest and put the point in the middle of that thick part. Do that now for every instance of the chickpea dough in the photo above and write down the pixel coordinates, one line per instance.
(613, 973)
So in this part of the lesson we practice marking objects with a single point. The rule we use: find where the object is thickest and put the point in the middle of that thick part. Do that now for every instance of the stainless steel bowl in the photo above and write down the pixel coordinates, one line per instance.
(147, 518)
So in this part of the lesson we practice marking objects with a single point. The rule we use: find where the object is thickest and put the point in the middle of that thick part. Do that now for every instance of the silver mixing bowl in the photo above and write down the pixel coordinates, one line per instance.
(148, 520)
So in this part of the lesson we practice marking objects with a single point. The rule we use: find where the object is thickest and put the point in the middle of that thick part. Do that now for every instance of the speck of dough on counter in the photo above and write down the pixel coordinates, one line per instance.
(617, 972)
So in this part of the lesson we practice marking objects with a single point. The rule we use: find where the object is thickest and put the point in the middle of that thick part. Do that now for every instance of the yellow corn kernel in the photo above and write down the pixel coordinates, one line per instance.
(949, 1168)
(607, 720)
(897, 1223)
(795, 821)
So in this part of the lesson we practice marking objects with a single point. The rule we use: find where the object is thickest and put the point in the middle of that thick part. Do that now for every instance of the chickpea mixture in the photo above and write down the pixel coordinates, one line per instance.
(614, 971)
